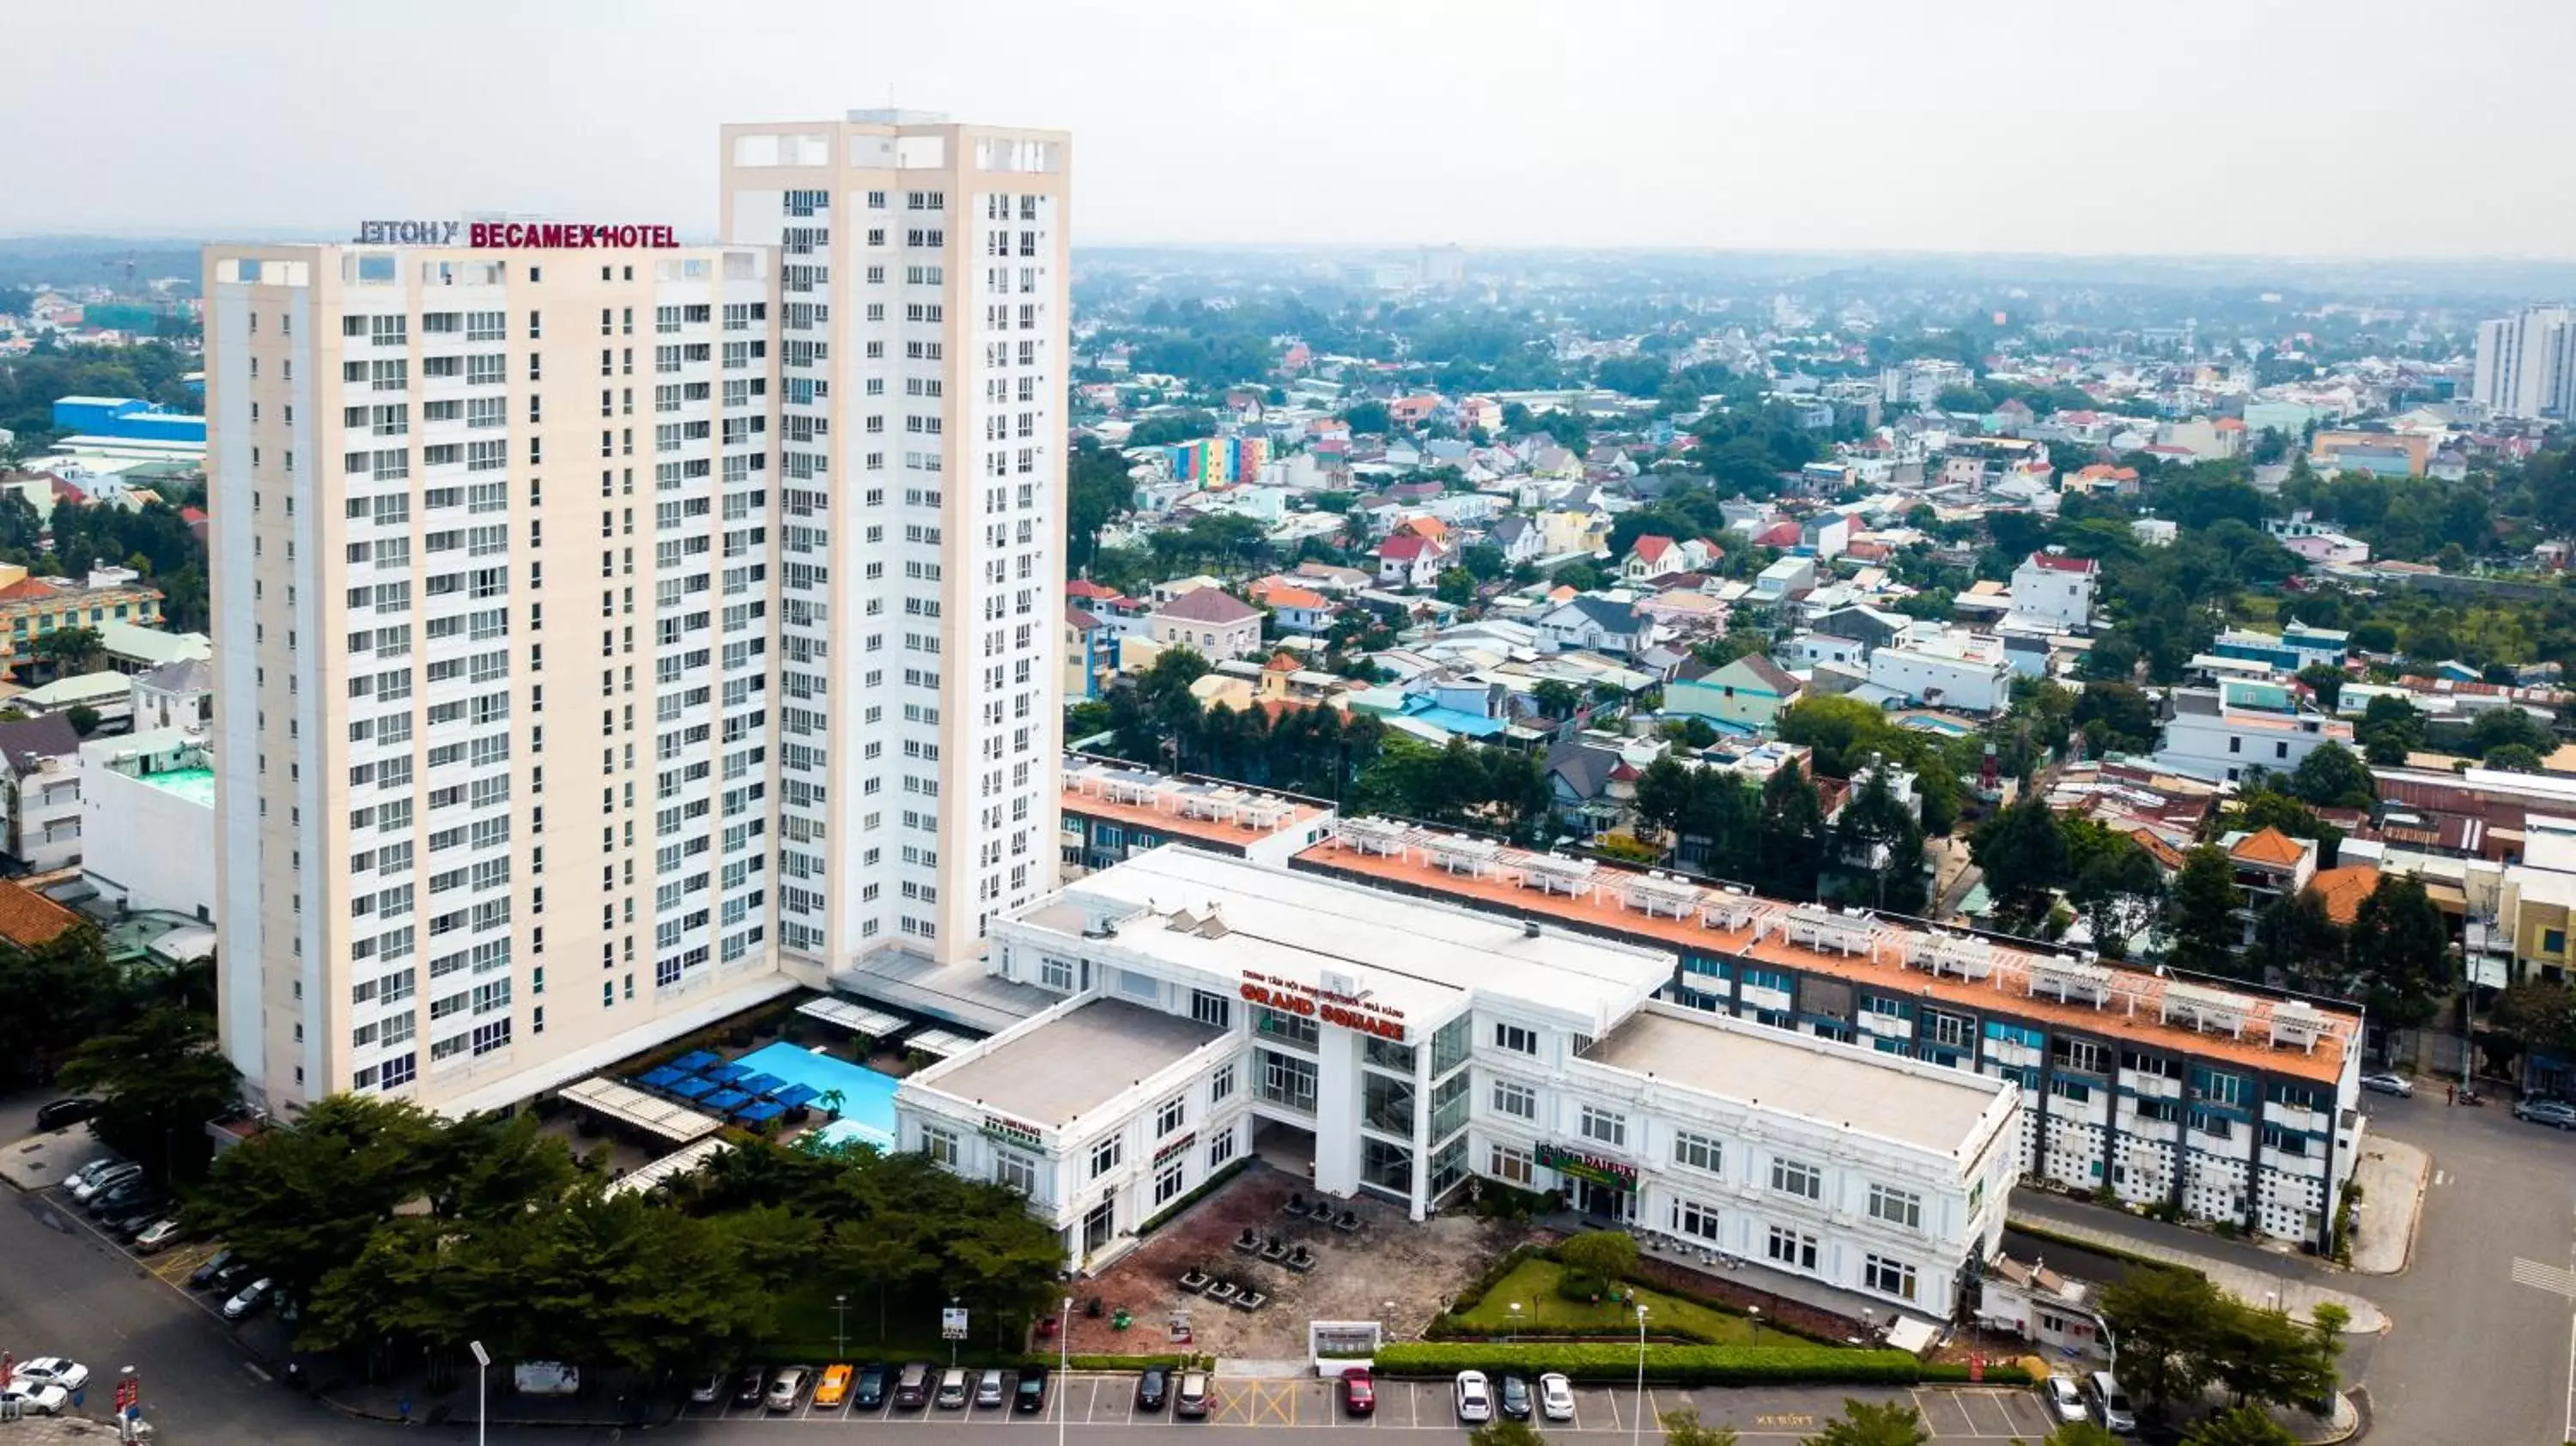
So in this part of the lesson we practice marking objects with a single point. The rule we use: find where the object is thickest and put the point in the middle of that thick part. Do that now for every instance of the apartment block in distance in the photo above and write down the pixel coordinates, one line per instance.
(922, 270)
(493, 583)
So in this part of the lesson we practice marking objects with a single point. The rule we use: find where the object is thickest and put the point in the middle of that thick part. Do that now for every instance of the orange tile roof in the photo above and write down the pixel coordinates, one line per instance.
(1588, 908)
(2270, 846)
(2343, 889)
(30, 920)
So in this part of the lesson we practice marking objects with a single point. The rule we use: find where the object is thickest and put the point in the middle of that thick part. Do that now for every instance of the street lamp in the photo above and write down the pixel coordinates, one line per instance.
(1638, 1433)
(1063, 1363)
(482, 1409)
(1516, 1323)
(840, 1326)
(129, 1402)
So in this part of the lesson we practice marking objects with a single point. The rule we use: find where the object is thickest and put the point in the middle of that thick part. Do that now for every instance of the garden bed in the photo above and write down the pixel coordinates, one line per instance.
(1532, 1284)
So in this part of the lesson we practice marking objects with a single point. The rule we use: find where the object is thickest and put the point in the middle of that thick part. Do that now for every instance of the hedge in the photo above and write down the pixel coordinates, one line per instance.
(1098, 1362)
(1672, 1365)
(1206, 1188)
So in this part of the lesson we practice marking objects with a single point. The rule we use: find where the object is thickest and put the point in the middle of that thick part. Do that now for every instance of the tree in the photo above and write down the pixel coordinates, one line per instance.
(1878, 843)
(57, 994)
(304, 1199)
(1171, 427)
(1456, 586)
(2295, 934)
(2205, 900)
(70, 650)
(83, 718)
(1874, 1423)
(2334, 777)
(2080, 1433)
(2162, 1320)
(160, 1078)
(1682, 1428)
(2390, 728)
(2115, 716)
(2023, 854)
(1503, 1431)
(1557, 699)
(2325, 680)
(1367, 418)
(1606, 1254)
(2535, 1015)
(1097, 489)
(2401, 948)
(2243, 1426)
(1791, 835)
(2120, 890)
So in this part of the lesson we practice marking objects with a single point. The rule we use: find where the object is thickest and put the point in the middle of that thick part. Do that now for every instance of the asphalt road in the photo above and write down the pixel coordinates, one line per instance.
(2478, 1349)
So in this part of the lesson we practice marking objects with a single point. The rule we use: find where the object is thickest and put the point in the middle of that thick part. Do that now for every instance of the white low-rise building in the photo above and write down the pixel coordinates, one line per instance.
(40, 793)
(1966, 672)
(2230, 732)
(148, 820)
(1214, 1006)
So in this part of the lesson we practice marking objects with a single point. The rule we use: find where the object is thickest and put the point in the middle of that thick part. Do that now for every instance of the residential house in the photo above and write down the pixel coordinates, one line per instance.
(1580, 776)
(2220, 733)
(2315, 541)
(1518, 539)
(40, 793)
(1408, 559)
(2270, 866)
(1747, 693)
(1332, 579)
(173, 695)
(1959, 671)
(1211, 620)
(1870, 627)
(1090, 653)
(1827, 535)
(1651, 557)
(1299, 609)
(2056, 588)
(1602, 624)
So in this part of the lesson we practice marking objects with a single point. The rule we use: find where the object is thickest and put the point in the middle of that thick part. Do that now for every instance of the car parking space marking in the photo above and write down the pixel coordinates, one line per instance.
(1949, 1409)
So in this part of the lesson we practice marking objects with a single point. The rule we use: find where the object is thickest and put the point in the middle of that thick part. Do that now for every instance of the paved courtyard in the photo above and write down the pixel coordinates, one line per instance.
(1356, 1274)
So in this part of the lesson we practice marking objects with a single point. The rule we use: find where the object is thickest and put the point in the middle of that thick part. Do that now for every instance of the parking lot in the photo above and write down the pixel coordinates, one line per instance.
(1108, 1401)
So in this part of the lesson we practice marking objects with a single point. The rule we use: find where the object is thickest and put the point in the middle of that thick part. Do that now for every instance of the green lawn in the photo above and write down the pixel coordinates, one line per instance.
(1543, 1312)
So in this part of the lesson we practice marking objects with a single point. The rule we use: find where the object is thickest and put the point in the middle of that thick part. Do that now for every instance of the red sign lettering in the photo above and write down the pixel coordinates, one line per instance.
(566, 236)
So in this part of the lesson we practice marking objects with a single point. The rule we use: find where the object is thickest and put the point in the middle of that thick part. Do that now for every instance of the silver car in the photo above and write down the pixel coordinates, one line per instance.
(2386, 1083)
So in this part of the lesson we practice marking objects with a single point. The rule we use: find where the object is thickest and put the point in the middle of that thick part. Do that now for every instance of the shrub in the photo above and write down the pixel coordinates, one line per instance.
(1607, 1254)
(1580, 1285)
(1673, 1365)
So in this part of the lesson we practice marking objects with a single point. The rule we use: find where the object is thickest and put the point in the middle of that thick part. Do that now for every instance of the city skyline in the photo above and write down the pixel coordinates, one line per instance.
(1898, 132)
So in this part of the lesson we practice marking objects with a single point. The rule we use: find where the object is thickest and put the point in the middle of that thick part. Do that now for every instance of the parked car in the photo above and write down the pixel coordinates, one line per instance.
(1359, 1391)
(834, 1389)
(708, 1390)
(2557, 1114)
(128, 1221)
(124, 1192)
(233, 1276)
(2110, 1403)
(250, 1301)
(1153, 1387)
(912, 1387)
(748, 1386)
(2065, 1401)
(786, 1388)
(2385, 1083)
(35, 1400)
(92, 1170)
(61, 1114)
(158, 1235)
(871, 1392)
(1515, 1397)
(88, 1189)
(1474, 1399)
(1555, 1397)
(1030, 1398)
(989, 1390)
(952, 1389)
(1194, 1397)
(215, 1265)
(61, 1371)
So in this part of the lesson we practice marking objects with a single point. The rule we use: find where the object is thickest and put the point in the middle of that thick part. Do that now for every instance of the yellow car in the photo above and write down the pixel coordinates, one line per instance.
(834, 1388)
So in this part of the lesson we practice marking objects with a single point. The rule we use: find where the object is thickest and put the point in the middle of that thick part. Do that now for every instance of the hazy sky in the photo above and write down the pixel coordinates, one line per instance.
(2350, 127)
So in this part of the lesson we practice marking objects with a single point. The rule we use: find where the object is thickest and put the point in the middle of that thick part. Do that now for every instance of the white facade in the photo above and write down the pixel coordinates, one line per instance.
(2056, 589)
(1411, 1045)
(924, 273)
(40, 806)
(2526, 363)
(1969, 674)
(148, 820)
(2226, 733)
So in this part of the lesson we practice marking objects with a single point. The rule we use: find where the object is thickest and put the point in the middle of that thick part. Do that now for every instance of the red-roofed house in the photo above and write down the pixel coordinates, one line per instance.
(1211, 620)
(1409, 559)
(2056, 589)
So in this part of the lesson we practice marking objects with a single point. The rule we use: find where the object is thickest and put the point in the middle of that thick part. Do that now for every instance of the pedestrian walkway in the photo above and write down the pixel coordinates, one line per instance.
(2391, 1174)
(2290, 1288)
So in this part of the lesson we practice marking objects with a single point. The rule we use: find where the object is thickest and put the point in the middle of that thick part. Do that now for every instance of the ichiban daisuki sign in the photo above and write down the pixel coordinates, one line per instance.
(517, 235)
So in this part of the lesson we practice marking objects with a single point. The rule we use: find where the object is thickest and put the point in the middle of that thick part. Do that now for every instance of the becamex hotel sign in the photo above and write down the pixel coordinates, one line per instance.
(516, 235)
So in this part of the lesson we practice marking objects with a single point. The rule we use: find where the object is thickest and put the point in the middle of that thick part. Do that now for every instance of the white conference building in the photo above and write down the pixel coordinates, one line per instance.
(1213, 1007)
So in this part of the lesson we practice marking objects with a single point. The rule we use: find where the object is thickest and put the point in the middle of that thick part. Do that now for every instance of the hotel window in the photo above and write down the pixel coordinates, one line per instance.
(1167, 1181)
(1517, 1100)
(1691, 1218)
(1286, 1028)
(1220, 1149)
(1509, 1164)
(1792, 1249)
(1221, 1085)
(1174, 1114)
(1790, 1177)
(1209, 1008)
(1698, 1152)
(1889, 1277)
(1106, 1155)
(1605, 1126)
(940, 1145)
(1056, 974)
(1896, 1207)
(1515, 1038)
(1017, 1172)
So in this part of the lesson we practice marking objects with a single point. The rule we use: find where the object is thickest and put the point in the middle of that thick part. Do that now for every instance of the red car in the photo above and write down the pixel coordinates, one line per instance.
(1359, 1392)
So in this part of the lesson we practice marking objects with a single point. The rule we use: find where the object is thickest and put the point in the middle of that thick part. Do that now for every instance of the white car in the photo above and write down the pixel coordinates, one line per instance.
(36, 1400)
(61, 1371)
(86, 1190)
(1475, 1399)
(2064, 1399)
(1555, 1397)
(252, 1299)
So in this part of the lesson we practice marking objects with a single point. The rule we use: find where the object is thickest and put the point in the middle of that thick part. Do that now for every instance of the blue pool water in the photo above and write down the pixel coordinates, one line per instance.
(867, 1103)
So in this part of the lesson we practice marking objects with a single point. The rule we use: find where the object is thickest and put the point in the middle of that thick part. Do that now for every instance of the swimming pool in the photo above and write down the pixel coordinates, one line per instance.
(867, 1097)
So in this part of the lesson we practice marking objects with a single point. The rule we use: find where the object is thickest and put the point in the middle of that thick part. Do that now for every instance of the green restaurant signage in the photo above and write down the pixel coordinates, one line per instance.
(1567, 1161)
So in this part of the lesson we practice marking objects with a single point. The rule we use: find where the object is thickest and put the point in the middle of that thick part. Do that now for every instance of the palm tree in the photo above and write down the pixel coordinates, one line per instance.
(831, 1101)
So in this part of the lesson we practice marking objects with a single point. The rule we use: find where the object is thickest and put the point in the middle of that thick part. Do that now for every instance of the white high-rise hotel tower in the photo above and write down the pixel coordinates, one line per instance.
(615, 633)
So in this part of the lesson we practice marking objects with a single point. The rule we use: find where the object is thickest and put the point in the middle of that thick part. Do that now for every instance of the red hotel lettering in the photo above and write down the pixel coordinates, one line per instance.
(1364, 1023)
(566, 236)
(1275, 999)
